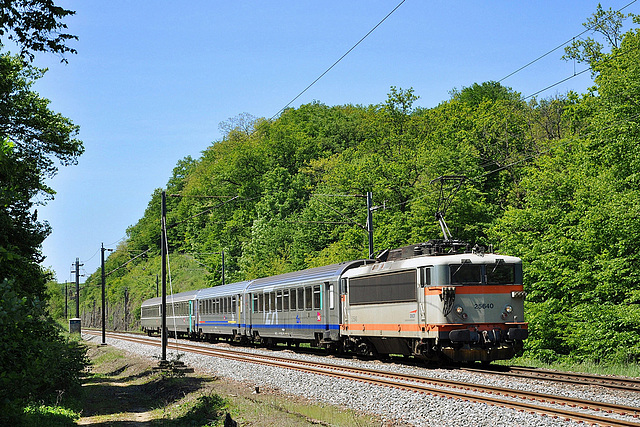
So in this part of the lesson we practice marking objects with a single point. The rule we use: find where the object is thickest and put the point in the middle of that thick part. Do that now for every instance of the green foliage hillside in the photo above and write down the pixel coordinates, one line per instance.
(555, 181)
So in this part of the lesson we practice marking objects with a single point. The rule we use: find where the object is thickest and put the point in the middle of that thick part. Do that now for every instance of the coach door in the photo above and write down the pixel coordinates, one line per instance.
(424, 281)
(191, 317)
(344, 312)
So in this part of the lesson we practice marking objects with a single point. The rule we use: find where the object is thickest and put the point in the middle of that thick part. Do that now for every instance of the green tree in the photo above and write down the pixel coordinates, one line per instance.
(608, 25)
(36, 26)
(36, 361)
(577, 229)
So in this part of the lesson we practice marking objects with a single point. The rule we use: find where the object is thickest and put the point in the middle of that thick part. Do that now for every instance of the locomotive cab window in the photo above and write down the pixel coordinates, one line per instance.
(466, 274)
(478, 274)
(500, 274)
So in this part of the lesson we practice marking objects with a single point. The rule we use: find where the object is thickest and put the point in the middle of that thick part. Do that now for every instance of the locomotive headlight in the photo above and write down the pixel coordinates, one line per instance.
(508, 309)
(459, 310)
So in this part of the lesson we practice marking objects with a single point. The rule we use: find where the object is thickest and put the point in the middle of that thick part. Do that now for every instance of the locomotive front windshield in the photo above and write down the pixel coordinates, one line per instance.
(481, 274)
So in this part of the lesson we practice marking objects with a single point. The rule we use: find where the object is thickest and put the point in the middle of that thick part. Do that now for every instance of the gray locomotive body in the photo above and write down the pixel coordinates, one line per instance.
(466, 307)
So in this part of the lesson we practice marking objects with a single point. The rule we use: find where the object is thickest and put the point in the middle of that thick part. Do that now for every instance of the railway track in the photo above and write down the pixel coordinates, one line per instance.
(616, 383)
(565, 408)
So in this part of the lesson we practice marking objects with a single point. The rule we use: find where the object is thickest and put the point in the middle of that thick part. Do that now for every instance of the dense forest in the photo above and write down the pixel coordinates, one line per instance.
(555, 181)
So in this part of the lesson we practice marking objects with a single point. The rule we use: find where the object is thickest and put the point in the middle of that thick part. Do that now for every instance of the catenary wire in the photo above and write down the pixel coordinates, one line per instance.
(558, 47)
(339, 59)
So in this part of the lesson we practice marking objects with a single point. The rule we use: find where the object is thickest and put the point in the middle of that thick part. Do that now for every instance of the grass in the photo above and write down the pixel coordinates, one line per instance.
(50, 416)
(124, 389)
(629, 370)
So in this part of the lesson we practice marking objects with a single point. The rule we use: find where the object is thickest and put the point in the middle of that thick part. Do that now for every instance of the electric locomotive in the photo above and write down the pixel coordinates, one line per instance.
(434, 300)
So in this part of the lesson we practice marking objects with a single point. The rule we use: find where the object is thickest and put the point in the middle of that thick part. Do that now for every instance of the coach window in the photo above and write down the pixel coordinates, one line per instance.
(254, 298)
(317, 299)
(300, 298)
(232, 304)
(272, 302)
(279, 300)
(292, 306)
(285, 300)
(308, 298)
(260, 303)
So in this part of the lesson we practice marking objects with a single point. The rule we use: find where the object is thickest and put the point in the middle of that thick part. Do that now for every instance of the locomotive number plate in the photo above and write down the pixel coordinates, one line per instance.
(483, 306)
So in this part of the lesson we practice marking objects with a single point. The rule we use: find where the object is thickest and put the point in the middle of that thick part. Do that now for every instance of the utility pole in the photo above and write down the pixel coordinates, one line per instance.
(223, 267)
(75, 324)
(66, 302)
(104, 332)
(163, 245)
(126, 302)
(78, 288)
(370, 222)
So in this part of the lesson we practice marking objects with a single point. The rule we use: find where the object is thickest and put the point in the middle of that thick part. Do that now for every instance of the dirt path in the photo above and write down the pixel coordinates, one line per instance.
(123, 389)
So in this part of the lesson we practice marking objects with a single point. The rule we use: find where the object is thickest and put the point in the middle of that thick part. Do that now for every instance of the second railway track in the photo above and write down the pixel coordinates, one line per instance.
(616, 383)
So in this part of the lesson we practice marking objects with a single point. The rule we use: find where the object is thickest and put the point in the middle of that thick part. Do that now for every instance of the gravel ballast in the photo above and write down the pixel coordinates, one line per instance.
(393, 405)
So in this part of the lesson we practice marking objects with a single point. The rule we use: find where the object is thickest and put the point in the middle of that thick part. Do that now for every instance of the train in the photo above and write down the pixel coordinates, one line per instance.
(438, 301)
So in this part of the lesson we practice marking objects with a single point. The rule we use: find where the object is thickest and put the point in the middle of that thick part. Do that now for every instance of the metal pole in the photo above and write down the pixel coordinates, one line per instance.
(223, 267)
(126, 302)
(370, 222)
(77, 288)
(66, 301)
(104, 331)
(163, 251)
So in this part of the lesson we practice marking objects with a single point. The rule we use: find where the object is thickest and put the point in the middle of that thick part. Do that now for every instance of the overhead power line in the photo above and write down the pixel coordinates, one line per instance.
(556, 48)
(339, 59)
(557, 83)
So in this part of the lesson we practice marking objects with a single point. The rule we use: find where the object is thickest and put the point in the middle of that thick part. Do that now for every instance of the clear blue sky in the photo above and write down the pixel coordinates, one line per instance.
(153, 79)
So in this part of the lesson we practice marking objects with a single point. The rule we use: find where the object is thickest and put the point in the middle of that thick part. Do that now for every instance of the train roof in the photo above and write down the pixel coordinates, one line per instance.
(179, 297)
(325, 273)
(223, 290)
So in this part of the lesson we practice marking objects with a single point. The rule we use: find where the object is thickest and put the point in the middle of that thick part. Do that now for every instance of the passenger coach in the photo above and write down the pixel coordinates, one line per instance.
(303, 306)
